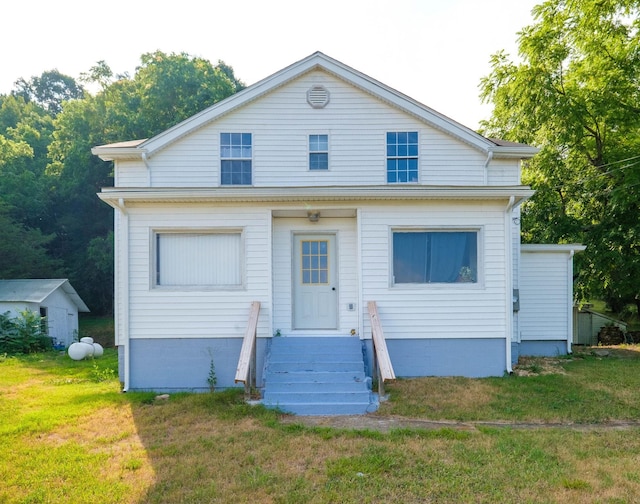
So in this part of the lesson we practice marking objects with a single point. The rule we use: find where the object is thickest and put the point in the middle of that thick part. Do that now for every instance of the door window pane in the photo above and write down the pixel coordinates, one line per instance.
(315, 261)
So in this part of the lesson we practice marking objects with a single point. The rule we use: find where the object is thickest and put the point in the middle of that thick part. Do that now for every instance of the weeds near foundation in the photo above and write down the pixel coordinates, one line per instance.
(212, 378)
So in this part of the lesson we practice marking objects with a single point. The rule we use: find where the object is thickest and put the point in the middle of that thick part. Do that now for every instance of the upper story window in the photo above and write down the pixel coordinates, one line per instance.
(421, 257)
(402, 156)
(235, 158)
(318, 152)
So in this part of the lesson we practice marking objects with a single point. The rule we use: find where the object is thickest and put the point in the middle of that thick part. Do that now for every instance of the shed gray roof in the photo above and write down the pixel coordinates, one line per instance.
(36, 291)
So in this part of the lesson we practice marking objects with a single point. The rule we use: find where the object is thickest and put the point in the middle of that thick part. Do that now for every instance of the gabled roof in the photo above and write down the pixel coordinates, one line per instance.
(36, 291)
(316, 61)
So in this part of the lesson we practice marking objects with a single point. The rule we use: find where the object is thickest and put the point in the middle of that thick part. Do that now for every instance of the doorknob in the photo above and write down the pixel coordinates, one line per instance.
(333, 288)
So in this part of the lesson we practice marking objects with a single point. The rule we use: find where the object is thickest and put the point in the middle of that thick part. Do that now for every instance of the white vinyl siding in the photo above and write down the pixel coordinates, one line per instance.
(197, 312)
(544, 296)
(504, 172)
(281, 123)
(436, 310)
(198, 259)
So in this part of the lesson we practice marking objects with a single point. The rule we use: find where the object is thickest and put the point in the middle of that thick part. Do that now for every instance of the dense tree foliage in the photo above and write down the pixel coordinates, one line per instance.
(50, 90)
(49, 178)
(576, 95)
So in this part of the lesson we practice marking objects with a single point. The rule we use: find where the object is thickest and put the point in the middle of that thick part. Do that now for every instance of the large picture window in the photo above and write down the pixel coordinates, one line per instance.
(198, 259)
(435, 257)
(235, 158)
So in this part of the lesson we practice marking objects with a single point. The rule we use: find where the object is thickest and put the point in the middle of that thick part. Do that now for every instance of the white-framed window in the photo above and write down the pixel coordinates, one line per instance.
(198, 259)
(318, 152)
(402, 157)
(435, 256)
(236, 154)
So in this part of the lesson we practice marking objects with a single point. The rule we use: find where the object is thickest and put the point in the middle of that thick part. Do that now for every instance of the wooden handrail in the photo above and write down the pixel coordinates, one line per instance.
(245, 372)
(381, 358)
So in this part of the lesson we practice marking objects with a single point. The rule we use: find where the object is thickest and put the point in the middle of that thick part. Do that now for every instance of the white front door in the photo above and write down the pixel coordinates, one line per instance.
(315, 282)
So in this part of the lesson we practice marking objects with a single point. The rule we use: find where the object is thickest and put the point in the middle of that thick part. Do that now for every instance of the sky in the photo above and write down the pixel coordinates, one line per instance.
(435, 51)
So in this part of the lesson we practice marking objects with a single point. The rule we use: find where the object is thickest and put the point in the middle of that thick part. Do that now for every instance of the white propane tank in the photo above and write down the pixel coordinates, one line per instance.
(97, 350)
(77, 351)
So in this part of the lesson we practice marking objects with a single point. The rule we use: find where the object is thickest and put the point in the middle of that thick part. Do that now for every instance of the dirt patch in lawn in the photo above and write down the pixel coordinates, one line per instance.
(390, 423)
(533, 366)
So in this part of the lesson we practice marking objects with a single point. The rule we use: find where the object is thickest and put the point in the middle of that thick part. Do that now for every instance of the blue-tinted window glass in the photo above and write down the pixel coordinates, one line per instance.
(318, 152)
(318, 161)
(402, 156)
(235, 154)
(435, 257)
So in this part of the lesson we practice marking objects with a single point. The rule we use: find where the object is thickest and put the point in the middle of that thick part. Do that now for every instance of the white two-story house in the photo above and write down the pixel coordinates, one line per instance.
(314, 192)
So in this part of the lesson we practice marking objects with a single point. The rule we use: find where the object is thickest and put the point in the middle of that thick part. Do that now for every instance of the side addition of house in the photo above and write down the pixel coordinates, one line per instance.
(315, 192)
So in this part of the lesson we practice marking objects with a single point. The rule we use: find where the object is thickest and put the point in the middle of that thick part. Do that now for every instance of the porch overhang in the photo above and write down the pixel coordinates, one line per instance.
(113, 195)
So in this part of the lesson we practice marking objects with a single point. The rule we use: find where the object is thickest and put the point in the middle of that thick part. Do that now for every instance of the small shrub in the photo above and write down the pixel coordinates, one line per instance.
(99, 375)
(23, 334)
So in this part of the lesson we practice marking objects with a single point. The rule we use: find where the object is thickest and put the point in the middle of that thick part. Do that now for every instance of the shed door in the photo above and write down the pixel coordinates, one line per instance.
(315, 286)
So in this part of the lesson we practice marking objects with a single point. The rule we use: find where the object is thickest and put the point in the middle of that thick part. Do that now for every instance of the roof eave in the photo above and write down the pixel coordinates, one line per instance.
(553, 247)
(116, 196)
(519, 152)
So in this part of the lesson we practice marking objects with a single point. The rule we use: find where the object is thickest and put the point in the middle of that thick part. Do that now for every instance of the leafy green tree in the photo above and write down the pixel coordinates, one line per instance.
(166, 89)
(25, 134)
(23, 251)
(50, 90)
(576, 95)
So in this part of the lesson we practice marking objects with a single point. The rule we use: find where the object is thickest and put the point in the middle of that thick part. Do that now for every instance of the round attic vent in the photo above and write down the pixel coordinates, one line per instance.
(318, 97)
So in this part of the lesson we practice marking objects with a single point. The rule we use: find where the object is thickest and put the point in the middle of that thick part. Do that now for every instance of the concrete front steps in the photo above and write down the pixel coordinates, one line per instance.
(318, 376)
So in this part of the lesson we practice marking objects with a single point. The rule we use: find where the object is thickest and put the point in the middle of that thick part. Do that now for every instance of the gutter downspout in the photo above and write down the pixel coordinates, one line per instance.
(486, 167)
(508, 282)
(146, 164)
(570, 301)
(123, 285)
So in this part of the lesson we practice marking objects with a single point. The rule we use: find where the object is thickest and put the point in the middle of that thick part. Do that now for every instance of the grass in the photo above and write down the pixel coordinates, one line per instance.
(585, 389)
(69, 435)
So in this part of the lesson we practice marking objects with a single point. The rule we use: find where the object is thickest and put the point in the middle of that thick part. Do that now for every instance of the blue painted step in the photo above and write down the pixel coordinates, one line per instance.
(317, 376)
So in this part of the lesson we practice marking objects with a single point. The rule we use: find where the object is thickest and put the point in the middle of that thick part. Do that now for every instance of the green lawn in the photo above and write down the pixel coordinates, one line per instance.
(69, 436)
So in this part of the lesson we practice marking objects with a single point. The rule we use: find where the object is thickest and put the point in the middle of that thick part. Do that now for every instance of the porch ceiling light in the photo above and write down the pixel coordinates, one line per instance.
(313, 216)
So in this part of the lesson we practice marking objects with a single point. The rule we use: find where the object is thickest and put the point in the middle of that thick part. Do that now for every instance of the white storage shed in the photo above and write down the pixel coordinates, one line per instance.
(54, 299)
